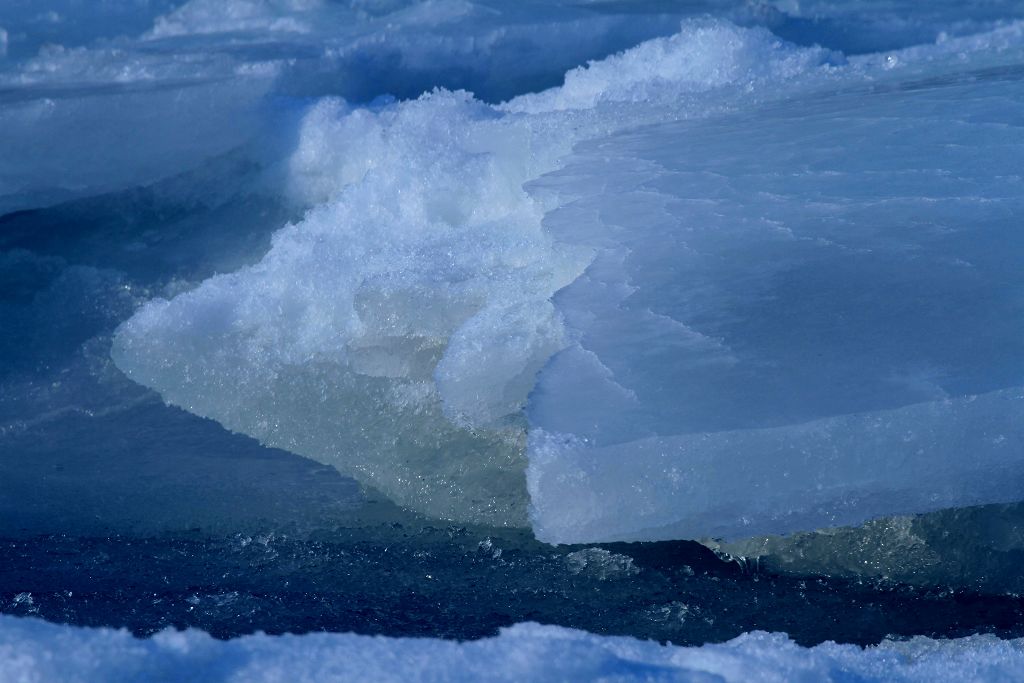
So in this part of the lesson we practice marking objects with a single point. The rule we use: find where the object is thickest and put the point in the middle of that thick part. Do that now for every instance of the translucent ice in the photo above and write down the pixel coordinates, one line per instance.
(757, 334)
(396, 330)
(802, 315)
(977, 547)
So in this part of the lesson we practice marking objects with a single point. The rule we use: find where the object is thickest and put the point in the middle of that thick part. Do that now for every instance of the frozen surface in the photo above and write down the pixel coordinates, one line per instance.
(376, 282)
(37, 651)
(757, 294)
(799, 316)
(395, 331)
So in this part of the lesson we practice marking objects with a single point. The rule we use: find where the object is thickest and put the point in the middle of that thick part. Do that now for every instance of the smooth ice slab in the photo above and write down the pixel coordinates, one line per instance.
(800, 255)
(799, 316)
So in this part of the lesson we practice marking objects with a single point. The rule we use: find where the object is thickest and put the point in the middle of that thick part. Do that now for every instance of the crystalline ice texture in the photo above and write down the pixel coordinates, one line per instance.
(801, 316)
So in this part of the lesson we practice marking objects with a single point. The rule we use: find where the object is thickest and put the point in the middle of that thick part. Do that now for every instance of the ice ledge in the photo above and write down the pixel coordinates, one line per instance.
(835, 471)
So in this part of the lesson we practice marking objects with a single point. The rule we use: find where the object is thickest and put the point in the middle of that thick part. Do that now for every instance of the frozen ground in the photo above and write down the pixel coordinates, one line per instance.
(317, 315)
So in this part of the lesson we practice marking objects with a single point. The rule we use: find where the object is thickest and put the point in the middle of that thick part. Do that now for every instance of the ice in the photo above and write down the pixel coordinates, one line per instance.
(73, 23)
(205, 16)
(395, 331)
(153, 134)
(799, 316)
(589, 269)
(857, 27)
(756, 334)
(396, 325)
(144, 163)
(601, 564)
(339, 364)
(163, 86)
(977, 548)
(34, 650)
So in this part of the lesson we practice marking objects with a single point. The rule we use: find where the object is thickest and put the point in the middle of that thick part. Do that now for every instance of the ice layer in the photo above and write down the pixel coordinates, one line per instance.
(396, 330)
(799, 316)
(772, 289)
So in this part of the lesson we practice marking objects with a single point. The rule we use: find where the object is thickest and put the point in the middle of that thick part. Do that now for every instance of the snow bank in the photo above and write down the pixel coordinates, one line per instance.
(32, 650)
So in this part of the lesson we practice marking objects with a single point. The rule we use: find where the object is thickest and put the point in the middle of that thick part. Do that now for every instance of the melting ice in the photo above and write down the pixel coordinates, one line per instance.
(788, 300)
(598, 271)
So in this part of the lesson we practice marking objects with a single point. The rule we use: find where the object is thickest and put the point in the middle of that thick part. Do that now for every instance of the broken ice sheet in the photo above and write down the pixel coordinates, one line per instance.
(804, 315)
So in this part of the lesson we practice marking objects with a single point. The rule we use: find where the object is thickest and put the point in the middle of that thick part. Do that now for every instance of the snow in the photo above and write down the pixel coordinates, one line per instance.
(32, 650)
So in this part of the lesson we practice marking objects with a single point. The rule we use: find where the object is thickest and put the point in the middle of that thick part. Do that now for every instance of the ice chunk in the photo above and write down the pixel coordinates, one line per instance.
(738, 483)
(329, 346)
(396, 330)
(799, 316)
(760, 342)
(31, 649)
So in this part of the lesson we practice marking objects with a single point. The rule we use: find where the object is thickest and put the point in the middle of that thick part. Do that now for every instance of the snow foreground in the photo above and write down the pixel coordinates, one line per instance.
(731, 321)
(33, 650)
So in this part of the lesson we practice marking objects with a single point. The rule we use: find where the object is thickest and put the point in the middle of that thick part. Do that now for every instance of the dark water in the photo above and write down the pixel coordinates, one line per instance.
(404, 580)
(147, 517)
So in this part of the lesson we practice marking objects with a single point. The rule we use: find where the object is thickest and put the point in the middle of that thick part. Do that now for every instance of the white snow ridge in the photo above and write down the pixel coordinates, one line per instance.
(33, 650)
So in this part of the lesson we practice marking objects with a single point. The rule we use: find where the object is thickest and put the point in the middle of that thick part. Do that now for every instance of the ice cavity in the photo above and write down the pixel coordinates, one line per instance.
(396, 331)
